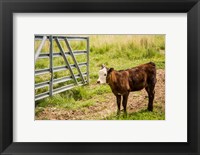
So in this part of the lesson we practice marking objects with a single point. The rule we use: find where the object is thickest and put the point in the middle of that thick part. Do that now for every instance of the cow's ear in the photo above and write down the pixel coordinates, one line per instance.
(103, 66)
(110, 70)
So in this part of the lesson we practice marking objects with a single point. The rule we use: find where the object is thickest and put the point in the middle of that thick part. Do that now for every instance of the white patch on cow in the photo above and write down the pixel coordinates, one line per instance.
(102, 75)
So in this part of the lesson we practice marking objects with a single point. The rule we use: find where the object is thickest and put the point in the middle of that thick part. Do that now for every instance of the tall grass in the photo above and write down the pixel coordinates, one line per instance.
(117, 51)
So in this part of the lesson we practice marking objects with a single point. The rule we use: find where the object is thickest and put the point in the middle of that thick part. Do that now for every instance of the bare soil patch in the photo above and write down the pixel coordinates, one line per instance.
(136, 102)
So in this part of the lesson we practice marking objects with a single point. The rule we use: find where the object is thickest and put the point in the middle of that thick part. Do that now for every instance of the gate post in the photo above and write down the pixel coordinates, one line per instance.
(51, 65)
(88, 64)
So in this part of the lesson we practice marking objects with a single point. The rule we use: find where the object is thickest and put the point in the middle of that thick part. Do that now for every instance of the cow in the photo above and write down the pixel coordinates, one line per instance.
(123, 82)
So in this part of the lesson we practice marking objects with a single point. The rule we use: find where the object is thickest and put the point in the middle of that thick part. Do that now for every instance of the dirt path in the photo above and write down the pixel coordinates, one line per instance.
(137, 101)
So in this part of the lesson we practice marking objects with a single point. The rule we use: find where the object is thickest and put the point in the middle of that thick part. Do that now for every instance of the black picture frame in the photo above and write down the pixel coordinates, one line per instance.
(8, 7)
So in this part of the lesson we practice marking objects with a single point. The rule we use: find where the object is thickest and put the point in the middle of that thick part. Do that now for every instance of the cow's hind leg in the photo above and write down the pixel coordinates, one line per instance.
(125, 99)
(151, 92)
(118, 103)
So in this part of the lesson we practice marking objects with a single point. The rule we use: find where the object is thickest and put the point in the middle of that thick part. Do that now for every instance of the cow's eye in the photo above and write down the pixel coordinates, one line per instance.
(104, 74)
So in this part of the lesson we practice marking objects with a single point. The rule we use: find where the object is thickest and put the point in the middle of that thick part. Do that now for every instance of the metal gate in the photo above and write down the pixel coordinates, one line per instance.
(79, 79)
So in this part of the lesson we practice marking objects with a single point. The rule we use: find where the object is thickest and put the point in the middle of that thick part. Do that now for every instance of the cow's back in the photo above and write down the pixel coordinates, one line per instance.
(142, 76)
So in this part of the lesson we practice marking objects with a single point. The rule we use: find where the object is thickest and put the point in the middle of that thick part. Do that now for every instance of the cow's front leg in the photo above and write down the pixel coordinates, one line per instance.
(118, 103)
(125, 99)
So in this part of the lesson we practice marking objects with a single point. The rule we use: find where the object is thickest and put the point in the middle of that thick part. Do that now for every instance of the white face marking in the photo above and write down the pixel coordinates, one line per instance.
(102, 76)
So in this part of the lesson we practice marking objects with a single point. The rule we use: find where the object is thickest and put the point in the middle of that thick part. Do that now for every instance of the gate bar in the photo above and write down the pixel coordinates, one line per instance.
(41, 84)
(58, 80)
(56, 54)
(41, 96)
(40, 48)
(74, 59)
(57, 69)
(51, 66)
(61, 37)
(66, 61)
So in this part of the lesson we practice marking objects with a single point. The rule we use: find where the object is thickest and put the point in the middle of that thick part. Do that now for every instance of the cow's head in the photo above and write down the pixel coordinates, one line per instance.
(103, 74)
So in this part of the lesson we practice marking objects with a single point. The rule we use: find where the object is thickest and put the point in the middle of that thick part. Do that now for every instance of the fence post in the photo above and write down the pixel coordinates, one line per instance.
(51, 65)
(88, 64)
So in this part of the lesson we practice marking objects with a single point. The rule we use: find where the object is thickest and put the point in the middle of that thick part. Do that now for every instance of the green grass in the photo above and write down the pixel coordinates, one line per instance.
(117, 51)
(157, 114)
(77, 97)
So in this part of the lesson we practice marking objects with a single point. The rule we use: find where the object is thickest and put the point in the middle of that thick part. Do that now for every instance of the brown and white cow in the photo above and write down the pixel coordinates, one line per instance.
(123, 82)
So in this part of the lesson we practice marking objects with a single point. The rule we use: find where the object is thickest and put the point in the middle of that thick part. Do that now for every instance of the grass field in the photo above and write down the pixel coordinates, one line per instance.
(118, 51)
